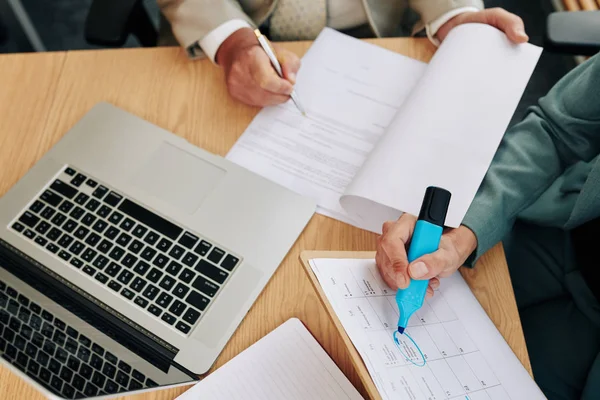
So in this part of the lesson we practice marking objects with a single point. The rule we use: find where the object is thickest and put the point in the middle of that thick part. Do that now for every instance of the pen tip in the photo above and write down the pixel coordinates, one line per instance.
(400, 330)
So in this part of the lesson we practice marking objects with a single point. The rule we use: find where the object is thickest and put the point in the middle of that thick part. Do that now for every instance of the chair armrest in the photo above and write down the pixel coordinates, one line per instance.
(575, 32)
(110, 22)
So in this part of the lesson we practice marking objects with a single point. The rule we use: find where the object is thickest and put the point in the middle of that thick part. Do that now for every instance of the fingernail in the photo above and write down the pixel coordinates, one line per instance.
(400, 281)
(418, 270)
(522, 33)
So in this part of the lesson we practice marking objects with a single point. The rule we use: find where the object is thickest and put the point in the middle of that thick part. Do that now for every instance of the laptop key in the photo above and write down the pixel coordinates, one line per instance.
(56, 383)
(113, 269)
(164, 300)
(151, 292)
(68, 391)
(89, 254)
(173, 268)
(36, 206)
(42, 358)
(177, 308)
(104, 246)
(138, 284)
(114, 286)
(109, 370)
(42, 227)
(71, 346)
(116, 253)
(70, 171)
(135, 246)
(148, 253)
(180, 290)
(168, 318)
(52, 248)
(65, 241)
(78, 382)
(100, 192)
(205, 286)
(88, 219)
(29, 219)
(125, 277)
(29, 234)
(141, 268)
(138, 375)
(100, 262)
(129, 260)
(81, 198)
(86, 371)
(151, 238)
(70, 226)
(48, 212)
(156, 311)
(150, 219)
(85, 341)
(17, 226)
(191, 316)
(154, 275)
(93, 239)
(81, 231)
(122, 379)
(182, 327)
(104, 211)
(89, 270)
(72, 332)
(58, 219)
(54, 366)
(140, 301)
(64, 255)
(83, 353)
(190, 259)
(115, 217)
(111, 233)
(78, 180)
(66, 206)
(187, 275)
(124, 239)
(216, 255)
(91, 183)
(197, 300)
(100, 226)
(77, 263)
(77, 247)
(188, 240)
(167, 283)
(209, 270)
(51, 198)
(113, 199)
(164, 245)
(139, 231)
(66, 373)
(77, 212)
(160, 260)
(100, 277)
(98, 349)
(90, 390)
(111, 386)
(176, 252)
(127, 224)
(63, 188)
(96, 362)
(203, 248)
(92, 205)
(229, 262)
(111, 358)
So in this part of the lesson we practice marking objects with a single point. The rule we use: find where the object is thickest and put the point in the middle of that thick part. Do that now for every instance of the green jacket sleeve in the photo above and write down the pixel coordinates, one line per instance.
(562, 130)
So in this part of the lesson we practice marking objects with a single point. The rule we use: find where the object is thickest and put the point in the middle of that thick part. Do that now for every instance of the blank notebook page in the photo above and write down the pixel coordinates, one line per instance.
(288, 363)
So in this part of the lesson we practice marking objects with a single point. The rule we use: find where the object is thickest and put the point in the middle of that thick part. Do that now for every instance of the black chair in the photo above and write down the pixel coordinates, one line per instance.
(573, 32)
(3, 33)
(110, 22)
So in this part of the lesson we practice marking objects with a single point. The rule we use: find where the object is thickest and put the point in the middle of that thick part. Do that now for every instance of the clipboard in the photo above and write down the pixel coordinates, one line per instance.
(357, 361)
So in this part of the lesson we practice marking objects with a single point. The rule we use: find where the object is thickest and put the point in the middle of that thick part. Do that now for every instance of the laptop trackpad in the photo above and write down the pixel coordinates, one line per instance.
(178, 177)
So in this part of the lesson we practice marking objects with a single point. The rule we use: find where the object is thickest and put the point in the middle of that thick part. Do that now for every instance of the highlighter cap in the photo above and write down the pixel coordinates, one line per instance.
(435, 205)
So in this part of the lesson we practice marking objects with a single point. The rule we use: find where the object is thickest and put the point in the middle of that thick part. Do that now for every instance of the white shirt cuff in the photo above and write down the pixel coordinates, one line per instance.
(213, 40)
(436, 24)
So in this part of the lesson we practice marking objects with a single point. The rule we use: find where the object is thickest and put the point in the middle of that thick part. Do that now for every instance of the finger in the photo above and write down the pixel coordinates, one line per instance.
(393, 244)
(290, 64)
(386, 226)
(429, 293)
(267, 79)
(511, 24)
(434, 283)
(263, 98)
(431, 265)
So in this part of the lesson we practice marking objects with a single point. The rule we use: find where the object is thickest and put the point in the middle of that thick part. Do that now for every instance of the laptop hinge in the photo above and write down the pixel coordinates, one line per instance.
(88, 308)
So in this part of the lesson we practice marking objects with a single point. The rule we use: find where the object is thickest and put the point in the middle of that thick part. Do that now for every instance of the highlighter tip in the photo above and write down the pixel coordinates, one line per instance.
(400, 330)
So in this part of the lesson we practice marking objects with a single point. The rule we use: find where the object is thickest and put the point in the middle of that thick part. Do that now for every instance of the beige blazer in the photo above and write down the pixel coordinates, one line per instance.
(191, 20)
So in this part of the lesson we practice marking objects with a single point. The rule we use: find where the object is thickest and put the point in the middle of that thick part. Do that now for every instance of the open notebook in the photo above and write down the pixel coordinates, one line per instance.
(381, 127)
(288, 363)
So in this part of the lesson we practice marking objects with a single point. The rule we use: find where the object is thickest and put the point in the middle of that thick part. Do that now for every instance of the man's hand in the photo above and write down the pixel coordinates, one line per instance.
(509, 23)
(249, 74)
(455, 247)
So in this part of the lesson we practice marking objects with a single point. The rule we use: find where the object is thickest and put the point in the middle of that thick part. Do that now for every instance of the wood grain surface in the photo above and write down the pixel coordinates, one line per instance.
(43, 95)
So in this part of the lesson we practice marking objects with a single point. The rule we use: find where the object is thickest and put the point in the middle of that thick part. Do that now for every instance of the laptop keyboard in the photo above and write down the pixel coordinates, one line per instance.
(57, 355)
(169, 272)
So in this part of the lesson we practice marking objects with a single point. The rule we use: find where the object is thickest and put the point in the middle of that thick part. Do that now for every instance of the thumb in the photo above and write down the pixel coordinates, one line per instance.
(511, 24)
(290, 64)
(429, 265)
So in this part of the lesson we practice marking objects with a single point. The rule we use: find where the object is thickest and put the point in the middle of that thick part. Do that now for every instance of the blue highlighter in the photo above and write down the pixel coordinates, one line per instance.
(425, 239)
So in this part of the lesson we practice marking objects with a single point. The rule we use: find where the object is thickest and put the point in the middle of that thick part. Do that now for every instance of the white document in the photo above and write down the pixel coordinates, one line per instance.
(288, 363)
(381, 127)
(455, 352)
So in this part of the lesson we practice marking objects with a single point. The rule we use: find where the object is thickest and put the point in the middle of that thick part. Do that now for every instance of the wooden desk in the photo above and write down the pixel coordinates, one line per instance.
(43, 95)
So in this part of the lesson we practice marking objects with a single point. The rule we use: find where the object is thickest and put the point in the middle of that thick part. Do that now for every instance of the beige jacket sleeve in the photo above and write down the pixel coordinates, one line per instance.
(191, 20)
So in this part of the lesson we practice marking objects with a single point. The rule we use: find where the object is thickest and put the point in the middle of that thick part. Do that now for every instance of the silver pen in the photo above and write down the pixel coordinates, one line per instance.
(264, 43)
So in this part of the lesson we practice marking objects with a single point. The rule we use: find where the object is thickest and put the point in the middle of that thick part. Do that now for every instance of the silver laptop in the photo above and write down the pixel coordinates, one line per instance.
(128, 257)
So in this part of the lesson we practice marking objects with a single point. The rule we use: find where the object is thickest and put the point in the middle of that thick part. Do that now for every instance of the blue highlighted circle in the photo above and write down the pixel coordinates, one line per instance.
(416, 346)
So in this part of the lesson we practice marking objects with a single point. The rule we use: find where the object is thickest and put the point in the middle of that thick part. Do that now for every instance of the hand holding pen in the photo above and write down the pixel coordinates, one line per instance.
(250, 76)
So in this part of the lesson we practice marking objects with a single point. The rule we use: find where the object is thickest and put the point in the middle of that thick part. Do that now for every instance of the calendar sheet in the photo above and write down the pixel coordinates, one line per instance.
(452, 350)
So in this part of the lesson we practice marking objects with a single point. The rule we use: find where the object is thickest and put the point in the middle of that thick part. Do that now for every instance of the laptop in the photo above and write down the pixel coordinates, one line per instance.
(128, 257)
